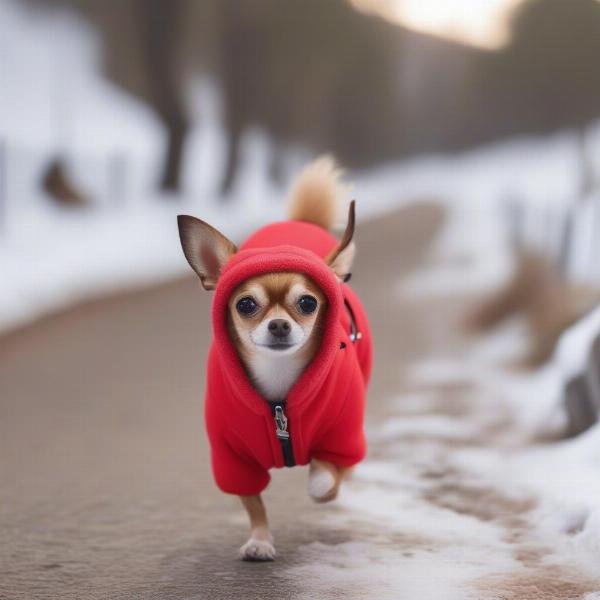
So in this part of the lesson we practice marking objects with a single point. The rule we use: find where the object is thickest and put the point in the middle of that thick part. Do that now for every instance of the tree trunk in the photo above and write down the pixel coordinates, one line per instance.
(160, 36)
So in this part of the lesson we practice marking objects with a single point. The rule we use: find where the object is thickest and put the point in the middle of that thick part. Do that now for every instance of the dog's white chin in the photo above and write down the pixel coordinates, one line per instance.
(275, 371)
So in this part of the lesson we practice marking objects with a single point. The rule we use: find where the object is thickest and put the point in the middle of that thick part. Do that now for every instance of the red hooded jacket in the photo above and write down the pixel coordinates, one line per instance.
(324, 408)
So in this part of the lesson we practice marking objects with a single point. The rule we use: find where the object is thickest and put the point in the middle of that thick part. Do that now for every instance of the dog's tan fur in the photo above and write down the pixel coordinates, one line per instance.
(316, 196)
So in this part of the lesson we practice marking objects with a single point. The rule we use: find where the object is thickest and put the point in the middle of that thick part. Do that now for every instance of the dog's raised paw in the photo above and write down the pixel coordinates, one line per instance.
(321, 484)
(257, 550)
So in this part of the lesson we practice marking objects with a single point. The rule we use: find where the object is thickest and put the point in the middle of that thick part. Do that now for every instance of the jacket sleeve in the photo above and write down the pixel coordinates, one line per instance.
(344, 444)
(233, 473)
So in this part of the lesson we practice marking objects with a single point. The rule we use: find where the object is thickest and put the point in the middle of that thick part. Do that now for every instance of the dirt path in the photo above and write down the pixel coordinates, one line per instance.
(106, 490)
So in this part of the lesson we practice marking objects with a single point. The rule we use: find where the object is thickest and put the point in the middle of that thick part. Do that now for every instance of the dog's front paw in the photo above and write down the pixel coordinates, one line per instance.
(322, 485)
(257, 550)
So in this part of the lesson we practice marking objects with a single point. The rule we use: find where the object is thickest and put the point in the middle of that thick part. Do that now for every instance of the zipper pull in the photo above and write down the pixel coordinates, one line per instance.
(282, 433)
(281, 423)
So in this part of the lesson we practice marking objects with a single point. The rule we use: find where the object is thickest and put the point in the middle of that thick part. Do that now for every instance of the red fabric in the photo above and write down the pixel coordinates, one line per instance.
(325, 408)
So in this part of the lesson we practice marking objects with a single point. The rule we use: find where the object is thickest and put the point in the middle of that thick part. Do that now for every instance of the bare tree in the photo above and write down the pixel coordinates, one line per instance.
(159, 22)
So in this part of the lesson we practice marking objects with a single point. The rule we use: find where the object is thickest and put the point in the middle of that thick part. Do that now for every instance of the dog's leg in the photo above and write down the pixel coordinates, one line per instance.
(324, 479)
(260, 545)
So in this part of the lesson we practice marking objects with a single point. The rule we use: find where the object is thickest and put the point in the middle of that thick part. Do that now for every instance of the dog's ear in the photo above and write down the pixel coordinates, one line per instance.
(341, 257)
(206, 249)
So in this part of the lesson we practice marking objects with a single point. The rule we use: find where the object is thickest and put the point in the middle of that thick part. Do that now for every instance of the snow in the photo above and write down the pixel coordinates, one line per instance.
(55, 100)
(563, 477)
(574, 346)
(414, 549)
(352, 568)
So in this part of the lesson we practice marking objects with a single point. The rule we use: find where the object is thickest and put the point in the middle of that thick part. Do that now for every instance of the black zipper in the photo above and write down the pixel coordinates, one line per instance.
(283, 435)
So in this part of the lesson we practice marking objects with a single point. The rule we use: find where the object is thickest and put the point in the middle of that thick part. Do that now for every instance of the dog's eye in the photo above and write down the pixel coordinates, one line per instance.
(307, 304)
(246, 306)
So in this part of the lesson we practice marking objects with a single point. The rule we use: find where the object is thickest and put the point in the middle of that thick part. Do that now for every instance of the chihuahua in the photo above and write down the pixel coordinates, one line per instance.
(291, 354)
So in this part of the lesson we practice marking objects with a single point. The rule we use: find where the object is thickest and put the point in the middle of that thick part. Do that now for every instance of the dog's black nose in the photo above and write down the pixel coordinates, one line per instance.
(279, 328)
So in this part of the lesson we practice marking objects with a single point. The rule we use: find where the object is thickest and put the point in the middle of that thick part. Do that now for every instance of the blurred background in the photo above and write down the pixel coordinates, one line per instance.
(470, 130)
(112, 113)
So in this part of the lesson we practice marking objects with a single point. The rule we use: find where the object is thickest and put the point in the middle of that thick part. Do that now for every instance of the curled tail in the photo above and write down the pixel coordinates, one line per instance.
(317, 194)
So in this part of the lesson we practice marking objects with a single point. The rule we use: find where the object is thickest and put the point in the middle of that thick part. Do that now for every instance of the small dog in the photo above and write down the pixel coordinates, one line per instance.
(291, 354)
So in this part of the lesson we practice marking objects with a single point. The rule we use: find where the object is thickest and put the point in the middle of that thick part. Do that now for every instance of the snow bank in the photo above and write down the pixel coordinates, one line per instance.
(565, 476)
(507, 411)
(413, 548)
(574, 346)
(56, 102)
(564, 480)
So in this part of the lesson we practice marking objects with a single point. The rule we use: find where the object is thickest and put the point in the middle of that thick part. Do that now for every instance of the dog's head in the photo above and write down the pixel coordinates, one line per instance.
(270, 315)
(277, 313)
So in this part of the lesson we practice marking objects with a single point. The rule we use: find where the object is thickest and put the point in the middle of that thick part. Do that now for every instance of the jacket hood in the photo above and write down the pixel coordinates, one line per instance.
(257, 261)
